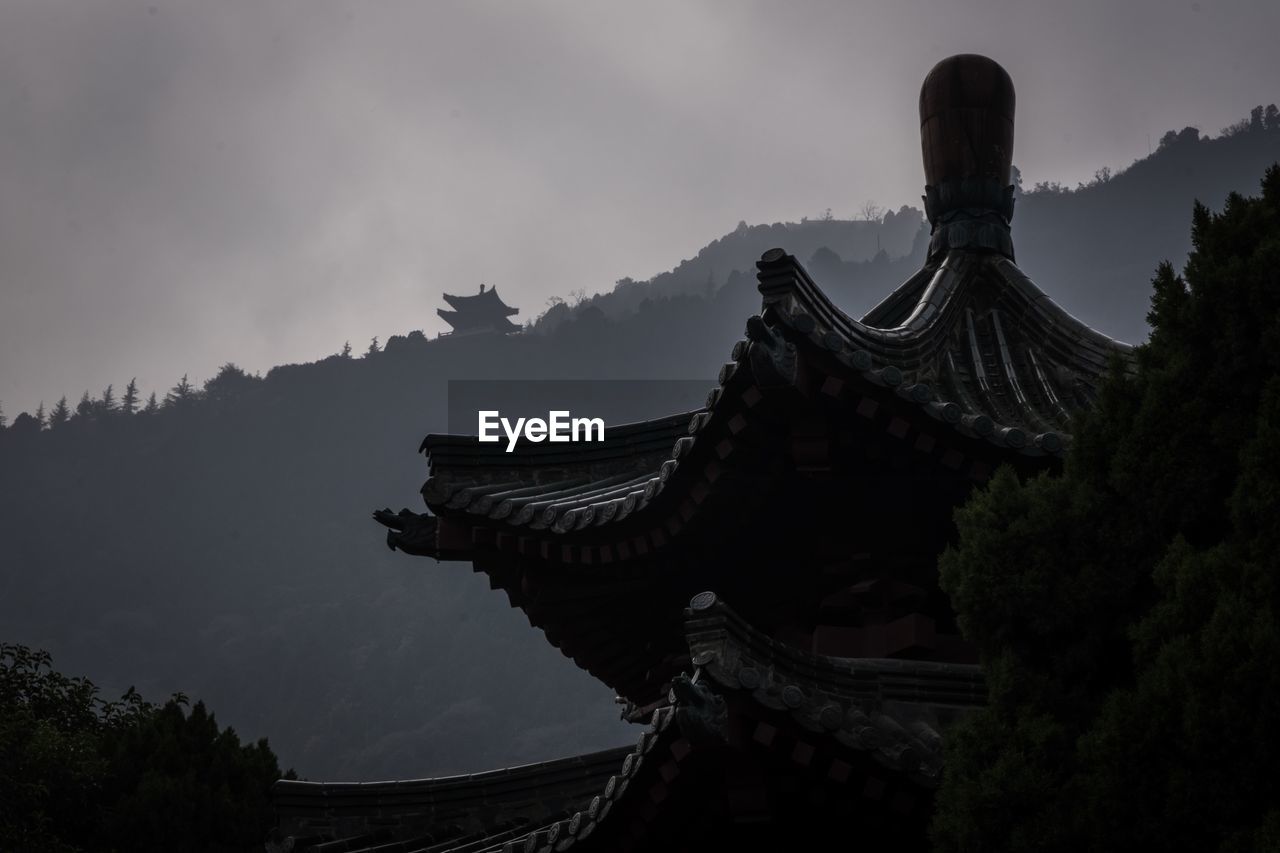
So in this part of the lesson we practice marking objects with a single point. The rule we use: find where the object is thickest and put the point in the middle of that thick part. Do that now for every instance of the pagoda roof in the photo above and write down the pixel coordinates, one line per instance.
(968, 351)
(463, 321)
(485, 302)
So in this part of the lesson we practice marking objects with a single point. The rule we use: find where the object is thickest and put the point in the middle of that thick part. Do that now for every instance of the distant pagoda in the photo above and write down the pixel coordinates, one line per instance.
(484, 312)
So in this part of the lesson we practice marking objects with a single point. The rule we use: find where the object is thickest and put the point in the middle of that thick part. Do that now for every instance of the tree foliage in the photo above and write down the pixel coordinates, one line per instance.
(61, 413)
(1128, 610)
(231, 382)
(129, 402)
(85, 408)
(78, 772)
(180, 396)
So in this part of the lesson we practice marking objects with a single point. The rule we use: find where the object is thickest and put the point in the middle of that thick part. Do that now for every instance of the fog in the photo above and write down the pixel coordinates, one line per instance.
(189, 183)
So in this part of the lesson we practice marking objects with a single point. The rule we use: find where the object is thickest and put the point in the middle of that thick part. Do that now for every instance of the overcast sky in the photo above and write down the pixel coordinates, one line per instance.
(188, 183)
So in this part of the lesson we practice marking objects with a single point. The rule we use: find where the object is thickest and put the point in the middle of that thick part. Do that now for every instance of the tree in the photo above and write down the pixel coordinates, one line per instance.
(3, 419)
(129, 403)
(61, 413)
(1127, 611)
(24, 425)
(152, 406)
(1174, 137)
(373, 347)
(346, 350)
(41, 420)
(51, 729)
(870, 211)
(1236, 128)
(85, 408)
(107, 405)
(181, 395)
(229, 383)
(178, 778)
(1272, 118)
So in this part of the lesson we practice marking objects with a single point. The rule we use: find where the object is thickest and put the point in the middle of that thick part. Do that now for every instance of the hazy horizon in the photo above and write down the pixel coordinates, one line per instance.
(188, 184)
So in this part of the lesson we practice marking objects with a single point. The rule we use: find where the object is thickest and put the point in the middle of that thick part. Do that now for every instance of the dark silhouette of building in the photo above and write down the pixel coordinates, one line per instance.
(757, 579)
(482, 312)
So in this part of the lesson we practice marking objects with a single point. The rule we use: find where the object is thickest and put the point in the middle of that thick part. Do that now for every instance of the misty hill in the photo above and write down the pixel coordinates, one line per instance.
(890, 234)
(1094, 248)
(220, 544)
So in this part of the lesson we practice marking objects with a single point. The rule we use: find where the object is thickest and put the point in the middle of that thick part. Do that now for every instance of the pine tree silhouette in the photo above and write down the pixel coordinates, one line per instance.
(180, 395)
(129, 403)
(61, 413)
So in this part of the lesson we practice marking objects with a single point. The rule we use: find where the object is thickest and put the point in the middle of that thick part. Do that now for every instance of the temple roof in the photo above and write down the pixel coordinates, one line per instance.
(485, 302)
(480, 311)
(968, 351)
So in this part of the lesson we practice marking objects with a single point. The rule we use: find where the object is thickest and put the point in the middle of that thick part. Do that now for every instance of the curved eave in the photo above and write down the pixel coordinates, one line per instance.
(1015, 377)
(558, 778)
(921, 304)
(462, 321)
(487, 301)
(893, 710)
(450, 811)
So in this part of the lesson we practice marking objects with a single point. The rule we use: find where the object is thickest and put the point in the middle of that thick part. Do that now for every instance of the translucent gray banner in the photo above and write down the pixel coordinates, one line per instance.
(615, 401)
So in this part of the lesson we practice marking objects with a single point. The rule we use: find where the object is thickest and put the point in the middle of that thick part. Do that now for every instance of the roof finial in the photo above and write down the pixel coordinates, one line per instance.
(966, 136)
